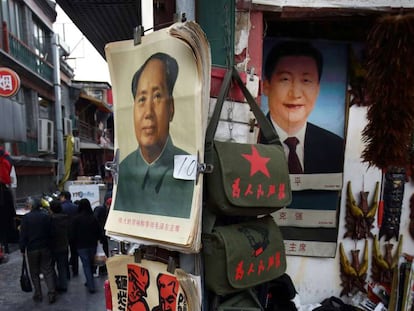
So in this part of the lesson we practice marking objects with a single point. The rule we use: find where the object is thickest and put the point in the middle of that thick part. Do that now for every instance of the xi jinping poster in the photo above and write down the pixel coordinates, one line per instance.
(304, 97)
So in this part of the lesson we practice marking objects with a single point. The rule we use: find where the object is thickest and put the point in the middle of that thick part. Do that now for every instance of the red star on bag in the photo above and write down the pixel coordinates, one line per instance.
(258, 163)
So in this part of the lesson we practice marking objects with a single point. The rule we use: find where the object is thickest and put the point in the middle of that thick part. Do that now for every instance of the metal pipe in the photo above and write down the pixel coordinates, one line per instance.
(58, 107)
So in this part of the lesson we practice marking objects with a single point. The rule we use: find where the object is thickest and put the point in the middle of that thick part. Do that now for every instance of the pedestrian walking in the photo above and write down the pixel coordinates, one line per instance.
(101, 213)
(59, 245)
(35, 239)
(71, 209)
(86, 233)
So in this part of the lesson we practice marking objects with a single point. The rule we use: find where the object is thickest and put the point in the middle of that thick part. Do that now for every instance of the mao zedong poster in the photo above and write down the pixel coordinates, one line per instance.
(158, 132)
(304, 96)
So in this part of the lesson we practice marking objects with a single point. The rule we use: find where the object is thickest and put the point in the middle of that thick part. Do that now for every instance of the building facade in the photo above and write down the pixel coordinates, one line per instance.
(93, 126)
(47, 109)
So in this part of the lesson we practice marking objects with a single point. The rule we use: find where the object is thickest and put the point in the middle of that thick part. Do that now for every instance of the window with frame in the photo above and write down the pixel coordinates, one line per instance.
(12, 14)
(97, 93)
(31, 119)
(41, 39)
(45, 108)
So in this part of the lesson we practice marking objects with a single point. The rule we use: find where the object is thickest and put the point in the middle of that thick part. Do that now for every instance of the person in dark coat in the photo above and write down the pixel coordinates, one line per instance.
(86, 233)
(71, 209)
(101, 213)
(60, 243)
(7, 210)
(35, 239)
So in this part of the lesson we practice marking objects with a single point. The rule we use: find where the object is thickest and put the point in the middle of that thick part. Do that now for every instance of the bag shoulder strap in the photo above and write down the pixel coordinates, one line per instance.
(267, 130)
(212, 125)
(24, 266)
(209, 220)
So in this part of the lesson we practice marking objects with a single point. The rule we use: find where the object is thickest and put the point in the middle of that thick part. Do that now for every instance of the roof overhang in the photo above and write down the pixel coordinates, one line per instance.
(103, 21)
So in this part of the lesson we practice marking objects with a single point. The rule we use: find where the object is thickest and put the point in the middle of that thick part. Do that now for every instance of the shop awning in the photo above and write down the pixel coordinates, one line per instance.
(104, 21)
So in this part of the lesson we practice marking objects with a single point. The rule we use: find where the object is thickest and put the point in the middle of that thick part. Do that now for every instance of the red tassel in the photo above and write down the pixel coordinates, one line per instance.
(380, 213)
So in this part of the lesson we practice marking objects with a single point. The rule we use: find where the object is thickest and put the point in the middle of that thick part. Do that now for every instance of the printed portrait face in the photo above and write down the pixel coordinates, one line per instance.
(168, 290)
(153, 109)
(138, 282)
(292, 91)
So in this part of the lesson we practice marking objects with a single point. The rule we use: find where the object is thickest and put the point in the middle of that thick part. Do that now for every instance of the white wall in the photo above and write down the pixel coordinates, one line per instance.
(318, 278)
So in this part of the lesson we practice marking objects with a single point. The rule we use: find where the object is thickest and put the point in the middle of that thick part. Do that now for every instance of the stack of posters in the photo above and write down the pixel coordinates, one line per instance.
(149, 285)
(402, 291)
(161, 92)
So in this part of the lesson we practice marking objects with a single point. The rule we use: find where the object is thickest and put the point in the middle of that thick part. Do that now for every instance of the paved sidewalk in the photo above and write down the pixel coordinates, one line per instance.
(77, 298)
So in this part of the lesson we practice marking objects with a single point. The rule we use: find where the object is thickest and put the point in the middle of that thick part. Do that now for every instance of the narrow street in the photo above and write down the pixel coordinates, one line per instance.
(76, 298)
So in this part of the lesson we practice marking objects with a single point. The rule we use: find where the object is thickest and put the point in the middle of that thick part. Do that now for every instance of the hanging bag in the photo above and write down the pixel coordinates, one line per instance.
(242, 255)
(100, 256)
(247, 179)
(25, 282)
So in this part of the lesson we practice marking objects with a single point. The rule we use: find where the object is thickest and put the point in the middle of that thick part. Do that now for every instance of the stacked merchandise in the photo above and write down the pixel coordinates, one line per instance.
(243, 249)
(161, 86)
(402, 291)
(161, 94)
(159, 202)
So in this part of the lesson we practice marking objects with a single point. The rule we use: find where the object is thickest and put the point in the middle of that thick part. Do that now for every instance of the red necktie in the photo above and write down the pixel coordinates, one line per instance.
(293, 161)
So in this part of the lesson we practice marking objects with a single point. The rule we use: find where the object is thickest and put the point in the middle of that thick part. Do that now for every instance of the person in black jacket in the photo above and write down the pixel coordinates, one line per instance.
(86, 233)
(7, 210)
(59, 246)
(101, 213)
(35, 238)
(71, 209)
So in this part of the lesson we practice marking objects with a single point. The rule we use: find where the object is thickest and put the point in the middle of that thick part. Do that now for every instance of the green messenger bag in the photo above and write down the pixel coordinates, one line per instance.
(247, 179)
(243, 255)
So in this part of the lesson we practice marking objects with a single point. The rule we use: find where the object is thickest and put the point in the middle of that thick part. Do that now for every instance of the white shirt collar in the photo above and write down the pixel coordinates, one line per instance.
(300, 135)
